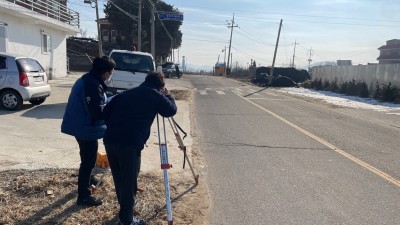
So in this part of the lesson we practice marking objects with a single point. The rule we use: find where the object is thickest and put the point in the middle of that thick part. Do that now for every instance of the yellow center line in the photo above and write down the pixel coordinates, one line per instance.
(332, 147)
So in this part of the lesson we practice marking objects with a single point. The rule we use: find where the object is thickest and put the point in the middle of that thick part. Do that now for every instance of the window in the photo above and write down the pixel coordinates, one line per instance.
(46, 43)
(105, 35)
(3, 64)
(113, 36)
(113, 33)
(29, 65)
(133, 62)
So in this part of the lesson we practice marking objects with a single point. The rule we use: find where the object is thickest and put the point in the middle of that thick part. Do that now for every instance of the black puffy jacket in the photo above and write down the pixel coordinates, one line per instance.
(129, 115)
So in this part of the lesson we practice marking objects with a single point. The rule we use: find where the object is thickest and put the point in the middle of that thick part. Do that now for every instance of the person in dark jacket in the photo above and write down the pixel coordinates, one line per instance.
(83, 119)
(129, 117)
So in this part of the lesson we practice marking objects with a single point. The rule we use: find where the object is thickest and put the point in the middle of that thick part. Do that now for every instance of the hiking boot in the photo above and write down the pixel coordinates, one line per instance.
(94, 181)
(135, 221)
(89, 201)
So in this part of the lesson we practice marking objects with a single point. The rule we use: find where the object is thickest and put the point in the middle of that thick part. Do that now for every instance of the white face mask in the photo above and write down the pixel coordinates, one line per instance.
(109, 78)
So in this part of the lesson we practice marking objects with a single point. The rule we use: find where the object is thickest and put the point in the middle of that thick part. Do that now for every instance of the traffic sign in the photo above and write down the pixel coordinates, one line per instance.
(171, 16)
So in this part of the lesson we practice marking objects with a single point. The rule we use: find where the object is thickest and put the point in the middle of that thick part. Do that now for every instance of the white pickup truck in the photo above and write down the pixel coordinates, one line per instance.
(130, 71)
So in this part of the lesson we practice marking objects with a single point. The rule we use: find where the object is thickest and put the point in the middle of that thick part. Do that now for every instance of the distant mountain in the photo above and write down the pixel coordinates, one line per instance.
(197, 68)
(325, 63)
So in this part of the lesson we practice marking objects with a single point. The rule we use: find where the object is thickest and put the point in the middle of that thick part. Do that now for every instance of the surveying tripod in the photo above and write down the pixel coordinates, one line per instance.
(164, 159)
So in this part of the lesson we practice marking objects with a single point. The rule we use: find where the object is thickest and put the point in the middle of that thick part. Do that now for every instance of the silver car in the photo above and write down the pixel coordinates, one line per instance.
(21, 79)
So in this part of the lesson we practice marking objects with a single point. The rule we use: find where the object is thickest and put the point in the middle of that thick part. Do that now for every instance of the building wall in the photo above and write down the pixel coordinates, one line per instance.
(25, 38)
(383, 73)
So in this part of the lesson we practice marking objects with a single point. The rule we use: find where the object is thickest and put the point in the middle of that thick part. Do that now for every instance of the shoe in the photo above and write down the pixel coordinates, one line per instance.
(89, 201)
(94, 181)
(135, 221)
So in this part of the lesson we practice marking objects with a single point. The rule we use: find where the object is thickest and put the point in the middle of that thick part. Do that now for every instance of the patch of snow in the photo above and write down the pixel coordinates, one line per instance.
(346, 100)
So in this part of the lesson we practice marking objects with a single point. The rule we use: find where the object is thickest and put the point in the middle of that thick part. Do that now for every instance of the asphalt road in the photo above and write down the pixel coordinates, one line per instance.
(273, 158)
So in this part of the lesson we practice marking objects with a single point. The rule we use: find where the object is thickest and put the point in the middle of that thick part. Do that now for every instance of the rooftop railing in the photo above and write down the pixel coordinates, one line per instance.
(52, 9)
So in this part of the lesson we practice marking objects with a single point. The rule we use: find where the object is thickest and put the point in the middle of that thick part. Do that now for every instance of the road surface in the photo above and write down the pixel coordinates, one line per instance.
(274, 158)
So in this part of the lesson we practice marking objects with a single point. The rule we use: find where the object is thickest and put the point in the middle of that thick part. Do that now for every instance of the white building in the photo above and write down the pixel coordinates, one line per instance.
(38, 28)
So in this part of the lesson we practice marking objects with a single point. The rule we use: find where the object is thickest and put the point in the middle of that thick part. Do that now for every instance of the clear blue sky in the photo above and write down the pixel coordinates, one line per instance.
(333, 29)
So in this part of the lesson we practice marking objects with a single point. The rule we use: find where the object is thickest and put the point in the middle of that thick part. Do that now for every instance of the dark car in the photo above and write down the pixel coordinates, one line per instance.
(171, 69)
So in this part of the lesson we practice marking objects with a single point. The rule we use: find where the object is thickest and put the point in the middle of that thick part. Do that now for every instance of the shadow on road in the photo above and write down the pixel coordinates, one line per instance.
(255, 92)
(49, 111)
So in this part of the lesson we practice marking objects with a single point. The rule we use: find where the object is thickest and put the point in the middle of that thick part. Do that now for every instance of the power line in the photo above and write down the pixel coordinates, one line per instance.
(300, 15)
(350, 24)
(250, 56)
(253, 38)
(207, 40)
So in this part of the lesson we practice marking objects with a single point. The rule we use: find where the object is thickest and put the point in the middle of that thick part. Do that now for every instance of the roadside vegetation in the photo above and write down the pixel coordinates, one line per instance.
(381, 92)
(385, 92)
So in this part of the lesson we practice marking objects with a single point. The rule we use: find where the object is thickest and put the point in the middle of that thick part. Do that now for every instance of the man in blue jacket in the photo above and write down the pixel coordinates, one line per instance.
(129, 117)
(83, 119)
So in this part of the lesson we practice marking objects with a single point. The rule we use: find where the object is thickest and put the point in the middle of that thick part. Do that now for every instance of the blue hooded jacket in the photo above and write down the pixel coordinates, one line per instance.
(83, 117)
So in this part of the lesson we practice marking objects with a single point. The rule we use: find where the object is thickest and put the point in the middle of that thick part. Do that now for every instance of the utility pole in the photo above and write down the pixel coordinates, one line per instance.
(139, 41)
(98, 30)
(276, 48)
(183, 64)
(153, 38)
(309, 59)
(231, 25)
(294, 52)
(224, 50)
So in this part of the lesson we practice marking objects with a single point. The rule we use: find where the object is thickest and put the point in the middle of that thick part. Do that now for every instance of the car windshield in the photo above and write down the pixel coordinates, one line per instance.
(132, 62)
(29, 65)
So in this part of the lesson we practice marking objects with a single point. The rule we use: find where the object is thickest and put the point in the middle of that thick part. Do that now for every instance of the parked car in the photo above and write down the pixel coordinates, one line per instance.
(171, 69)
(21, 79)
(131, 69)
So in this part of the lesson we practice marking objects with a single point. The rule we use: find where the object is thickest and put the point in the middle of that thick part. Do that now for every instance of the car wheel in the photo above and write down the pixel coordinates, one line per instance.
(37, 101)
(10, 100)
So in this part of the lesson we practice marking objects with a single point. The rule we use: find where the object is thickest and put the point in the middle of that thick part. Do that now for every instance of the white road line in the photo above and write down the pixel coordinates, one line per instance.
(363, 164)
(203, 92)
(220, 92)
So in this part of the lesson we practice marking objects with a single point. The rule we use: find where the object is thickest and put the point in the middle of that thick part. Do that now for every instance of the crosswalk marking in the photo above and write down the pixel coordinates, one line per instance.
(271, 94)
(245, 92)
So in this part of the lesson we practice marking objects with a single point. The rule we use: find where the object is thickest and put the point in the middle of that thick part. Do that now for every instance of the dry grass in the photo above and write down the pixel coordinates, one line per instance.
(25, 199)
(181, 94)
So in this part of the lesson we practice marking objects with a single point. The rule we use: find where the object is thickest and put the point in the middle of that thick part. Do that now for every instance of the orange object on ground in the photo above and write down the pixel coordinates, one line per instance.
(102, 160)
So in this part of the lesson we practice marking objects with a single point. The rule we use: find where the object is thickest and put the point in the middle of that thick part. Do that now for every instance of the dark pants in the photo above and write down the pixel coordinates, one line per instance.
(125, 165)
(88, 153)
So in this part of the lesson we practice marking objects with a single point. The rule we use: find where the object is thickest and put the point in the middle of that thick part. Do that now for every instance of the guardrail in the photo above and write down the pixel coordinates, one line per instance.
(52, 9)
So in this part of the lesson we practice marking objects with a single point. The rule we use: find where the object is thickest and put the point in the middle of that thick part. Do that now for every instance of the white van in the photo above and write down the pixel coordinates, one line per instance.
(131, 69)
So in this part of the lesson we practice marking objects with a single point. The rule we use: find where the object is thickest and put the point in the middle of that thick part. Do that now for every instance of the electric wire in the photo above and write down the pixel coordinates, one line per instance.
(300, 15)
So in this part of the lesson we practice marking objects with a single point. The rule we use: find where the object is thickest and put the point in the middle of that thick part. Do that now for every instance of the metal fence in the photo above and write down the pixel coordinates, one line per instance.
(52, 9)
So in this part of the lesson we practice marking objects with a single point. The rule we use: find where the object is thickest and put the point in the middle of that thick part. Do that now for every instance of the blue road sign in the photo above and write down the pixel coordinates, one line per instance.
(171, 16)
